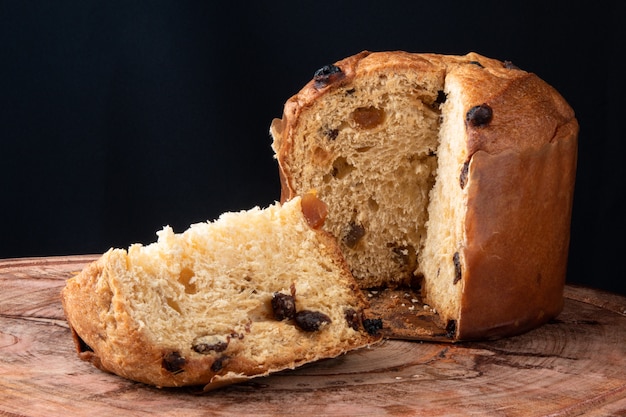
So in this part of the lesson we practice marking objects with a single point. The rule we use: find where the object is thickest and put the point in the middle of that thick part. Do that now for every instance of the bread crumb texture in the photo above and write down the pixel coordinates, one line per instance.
(390, 146)
(196, 307)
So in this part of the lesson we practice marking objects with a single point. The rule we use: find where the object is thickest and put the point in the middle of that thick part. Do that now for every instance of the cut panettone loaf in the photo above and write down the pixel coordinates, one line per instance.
(251, 293)
(450, 176)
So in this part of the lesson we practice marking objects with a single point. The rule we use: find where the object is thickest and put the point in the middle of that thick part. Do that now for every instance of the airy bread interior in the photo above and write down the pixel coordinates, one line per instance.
(377, 142)
(228, 271)
(439, 259)
(390, 159)
(387, 157)
(202, 299)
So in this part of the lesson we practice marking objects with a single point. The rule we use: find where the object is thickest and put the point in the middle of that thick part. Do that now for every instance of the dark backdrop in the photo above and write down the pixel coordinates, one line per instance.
(119, 117)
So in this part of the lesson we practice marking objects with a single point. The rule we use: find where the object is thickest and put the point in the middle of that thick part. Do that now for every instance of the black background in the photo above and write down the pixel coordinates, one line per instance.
(119, 117)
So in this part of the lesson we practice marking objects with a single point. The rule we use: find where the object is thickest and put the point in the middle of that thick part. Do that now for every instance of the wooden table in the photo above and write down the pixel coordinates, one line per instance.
(575, 365)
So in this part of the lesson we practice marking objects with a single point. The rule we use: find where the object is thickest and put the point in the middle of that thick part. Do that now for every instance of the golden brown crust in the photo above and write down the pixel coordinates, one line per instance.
(514, 261)
(87, 298)
(519, 185)
(520, 193)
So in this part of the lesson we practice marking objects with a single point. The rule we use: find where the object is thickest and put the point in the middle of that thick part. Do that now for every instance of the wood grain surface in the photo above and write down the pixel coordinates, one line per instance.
(574, 365)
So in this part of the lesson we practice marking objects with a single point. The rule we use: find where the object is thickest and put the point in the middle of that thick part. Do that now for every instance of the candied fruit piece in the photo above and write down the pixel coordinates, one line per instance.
(314, 210)
(368, 117)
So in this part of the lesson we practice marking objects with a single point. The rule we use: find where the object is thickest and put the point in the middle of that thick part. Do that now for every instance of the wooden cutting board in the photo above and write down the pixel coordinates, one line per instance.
(575, 365)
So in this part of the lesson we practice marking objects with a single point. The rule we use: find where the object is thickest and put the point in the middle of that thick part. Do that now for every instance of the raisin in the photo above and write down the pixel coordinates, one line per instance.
(331, 134)
(510, 65)
(326, 75)
(206, 348)
(283, 306)
(173, 362)
(451, 328)
(207, 344)
(368, 117)
(353, 234)
(464, 174)
(479, 116)
(240, 336)
(326, 71)
(352, 317)
(441, 98)
(456, 258)
(311, 321)
(372, 326)
(218, 364)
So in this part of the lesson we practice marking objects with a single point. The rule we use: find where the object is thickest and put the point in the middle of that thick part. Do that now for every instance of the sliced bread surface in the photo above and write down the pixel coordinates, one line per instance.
(448, 176)
(250, 293)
